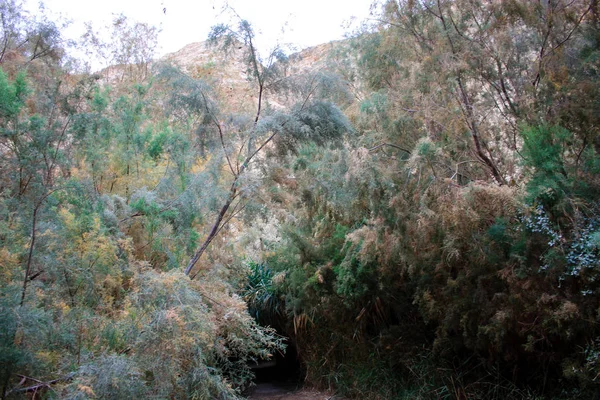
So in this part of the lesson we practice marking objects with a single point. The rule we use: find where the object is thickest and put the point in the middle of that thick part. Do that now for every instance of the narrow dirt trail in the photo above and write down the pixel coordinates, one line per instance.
(270, 391)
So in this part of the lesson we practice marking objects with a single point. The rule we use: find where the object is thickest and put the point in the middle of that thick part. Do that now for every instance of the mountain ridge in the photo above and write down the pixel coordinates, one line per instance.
(228, 74)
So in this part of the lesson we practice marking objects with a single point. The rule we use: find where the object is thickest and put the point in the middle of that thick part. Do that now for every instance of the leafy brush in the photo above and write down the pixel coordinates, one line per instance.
(263, 300)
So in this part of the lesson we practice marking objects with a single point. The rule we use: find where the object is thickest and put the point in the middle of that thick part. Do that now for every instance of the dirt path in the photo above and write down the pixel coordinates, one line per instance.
(269, 391)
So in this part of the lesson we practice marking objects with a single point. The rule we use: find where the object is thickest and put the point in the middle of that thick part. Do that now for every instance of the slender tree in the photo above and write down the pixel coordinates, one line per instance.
(309, 119)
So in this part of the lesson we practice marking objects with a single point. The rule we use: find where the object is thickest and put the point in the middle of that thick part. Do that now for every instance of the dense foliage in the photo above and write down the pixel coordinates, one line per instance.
(102, 192)
(420, 219)
(450, 250)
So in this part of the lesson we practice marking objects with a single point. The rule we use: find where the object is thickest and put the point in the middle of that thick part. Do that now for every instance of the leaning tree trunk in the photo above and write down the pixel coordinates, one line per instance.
(213, 232)
(233, 194)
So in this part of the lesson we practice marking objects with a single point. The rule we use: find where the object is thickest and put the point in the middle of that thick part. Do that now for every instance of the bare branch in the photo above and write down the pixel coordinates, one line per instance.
(40, 384)
(218, 125)
(390, 145)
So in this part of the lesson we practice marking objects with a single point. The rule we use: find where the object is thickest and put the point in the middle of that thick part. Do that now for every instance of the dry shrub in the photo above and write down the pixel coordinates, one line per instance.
(182, 338)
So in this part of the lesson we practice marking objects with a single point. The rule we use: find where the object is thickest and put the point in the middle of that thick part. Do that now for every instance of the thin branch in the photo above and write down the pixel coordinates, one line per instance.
(237, 160)
(233, 214)
(538, 75)
(310, 92)
(25, 378)
(218, 125)
(32, 277)
(251, 156)
(220, 129)
(40, 385)
(566, 39)
(465, 162)
(137, 214)
(390, 145)
(36, 209)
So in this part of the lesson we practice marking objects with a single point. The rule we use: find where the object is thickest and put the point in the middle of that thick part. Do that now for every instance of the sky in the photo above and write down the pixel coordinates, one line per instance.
(303, 23)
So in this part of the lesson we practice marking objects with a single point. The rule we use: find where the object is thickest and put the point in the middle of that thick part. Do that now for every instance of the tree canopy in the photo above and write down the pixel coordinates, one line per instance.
(413, 209)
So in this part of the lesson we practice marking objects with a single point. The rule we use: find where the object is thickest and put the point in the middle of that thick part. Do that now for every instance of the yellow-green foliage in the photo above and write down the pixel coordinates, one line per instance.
(99, 208)
(175, 338)
(448, 246)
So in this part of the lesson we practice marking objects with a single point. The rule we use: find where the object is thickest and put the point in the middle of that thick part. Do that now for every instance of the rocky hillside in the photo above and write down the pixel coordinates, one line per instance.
(224, 71)
(228, 74)
(314, 58)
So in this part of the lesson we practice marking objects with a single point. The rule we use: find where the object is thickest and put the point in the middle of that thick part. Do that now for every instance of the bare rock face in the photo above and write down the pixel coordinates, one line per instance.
(201, 60)
(226, 72)
(314, 58)
(205, 60)
(228, 75)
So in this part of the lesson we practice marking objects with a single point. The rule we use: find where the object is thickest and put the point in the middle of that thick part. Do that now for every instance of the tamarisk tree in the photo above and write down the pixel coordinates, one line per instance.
(242, 139)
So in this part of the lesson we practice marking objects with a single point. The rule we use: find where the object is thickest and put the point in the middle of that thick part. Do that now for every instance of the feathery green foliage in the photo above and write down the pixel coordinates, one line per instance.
(423, 222)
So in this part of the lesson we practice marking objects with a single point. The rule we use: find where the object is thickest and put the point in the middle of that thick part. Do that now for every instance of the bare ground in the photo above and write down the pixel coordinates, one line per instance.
(269, 391)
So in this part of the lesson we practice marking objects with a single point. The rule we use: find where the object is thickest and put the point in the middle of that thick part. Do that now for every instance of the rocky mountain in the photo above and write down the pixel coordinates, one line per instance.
(227, 72)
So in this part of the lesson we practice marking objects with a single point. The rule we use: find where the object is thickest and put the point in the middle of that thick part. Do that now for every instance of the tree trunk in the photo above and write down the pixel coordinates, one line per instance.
(213, 232)
(30, 255)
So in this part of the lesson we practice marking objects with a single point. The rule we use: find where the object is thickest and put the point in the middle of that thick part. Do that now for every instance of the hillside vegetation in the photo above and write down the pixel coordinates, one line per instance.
(415, 210)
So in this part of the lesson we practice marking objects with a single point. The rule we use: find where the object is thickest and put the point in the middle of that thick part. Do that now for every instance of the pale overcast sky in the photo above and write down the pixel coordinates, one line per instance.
(306, 22)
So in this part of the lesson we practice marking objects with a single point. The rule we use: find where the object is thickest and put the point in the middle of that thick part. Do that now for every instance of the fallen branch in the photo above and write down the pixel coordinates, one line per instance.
(389, 144)
(40, 384)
